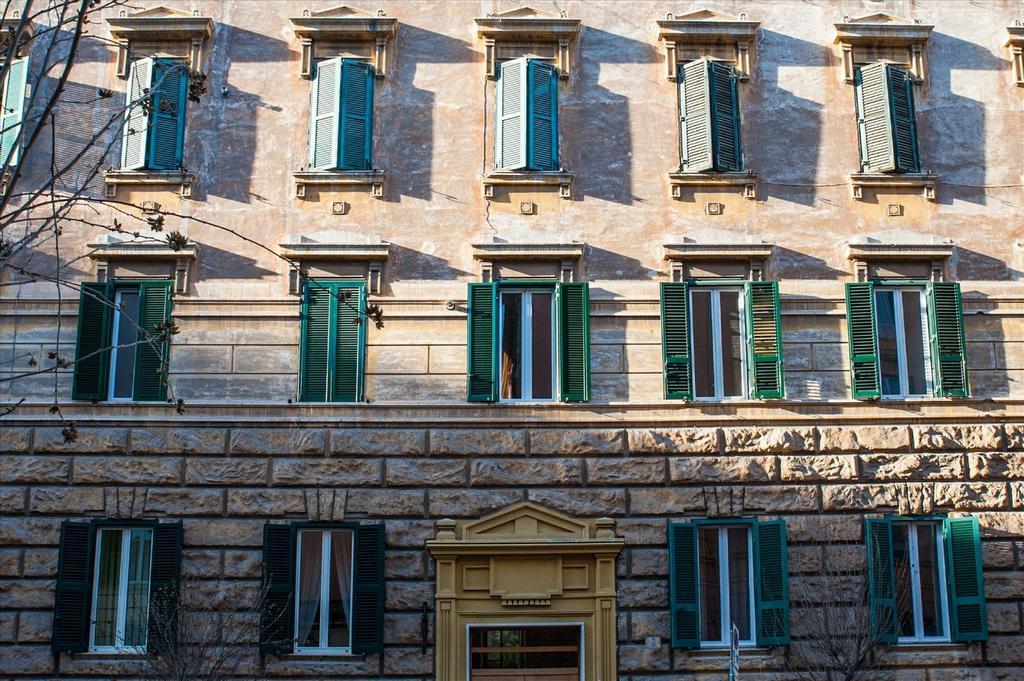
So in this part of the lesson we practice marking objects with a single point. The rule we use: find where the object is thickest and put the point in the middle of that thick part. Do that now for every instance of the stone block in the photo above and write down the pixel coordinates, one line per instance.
(396, 359)
(816, 468)
(34, 469)
(829, 356)
(963, 496)
(1014, 436)
(581, 502)
(648, 562)
(1005, 650)
(398, 387)
(885, 467)
(606, 359)
(649, 623)
(403, 628)
(8, 628)
(225, 471)
(408, 595)
(271, 503)
(407, 661)
(184, 502)
(446, 359)
(26, 659)
(996, 465)
(201, 359)
(1004, 586)
(637, 658)
(665, 501)
(14, 440)
(864, 438)
(35, 627)
(89, 441)
(695, 469)
(643, 593)
(568, 441)
(470, 503)
(243, 564)
(404, 565)
(12, 500)
(426, 472)
(378, 441)
(66, 500)
(859, 497)
(408, 533)
(630, 470)
(780, 498)
(974, 437)
(768, 439)
(1017, 494)
(127, 470)
(673, 440)
(179, 440)
(381, 503)
(477, 441)
(39, 562)
(200, 563)
(278, 441)
(1001, 525)
(997, 554)
(503, 472)
(825, 528)
(265, 359)
(797, 357)
(18, 594)
(643, 357)
(326, 472)
(10, 562)
(223, 532)
(1003, 618)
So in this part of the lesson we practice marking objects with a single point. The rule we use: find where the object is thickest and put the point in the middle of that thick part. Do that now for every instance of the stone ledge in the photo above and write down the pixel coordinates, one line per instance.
(374, 179)
(183, 180)
(924, 181)
(528, 178)
(747, 180)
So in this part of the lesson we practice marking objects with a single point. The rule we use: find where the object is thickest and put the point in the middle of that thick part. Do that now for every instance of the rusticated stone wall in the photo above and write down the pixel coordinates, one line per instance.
(225, 482)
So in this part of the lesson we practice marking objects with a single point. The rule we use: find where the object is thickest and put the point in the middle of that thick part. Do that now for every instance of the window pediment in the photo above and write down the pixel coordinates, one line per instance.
(161, 29)
(346, 31)
(526, 31)
(9, 27)
(336, 255)
(706, 33)
(883, 37)
(900, 254)
(1015, 43)
(717, 254)
(527, 258)
(144, 258)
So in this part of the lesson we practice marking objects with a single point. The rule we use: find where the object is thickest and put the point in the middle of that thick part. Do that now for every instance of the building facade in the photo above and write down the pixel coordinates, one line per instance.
(514, 342)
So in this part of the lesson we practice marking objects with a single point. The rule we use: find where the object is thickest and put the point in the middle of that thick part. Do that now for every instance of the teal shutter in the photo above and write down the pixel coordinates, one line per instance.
(315, 332)
(946, 324)
(574, 340)
(167, 133)
(136, 118)
(772, 583)
(764, 339)
(968, 612)
(904, 119)
(675, 340)
(92, 346)
(324, 115)
(368, 590)
(881, 579)
(682, 555)
(482, 338)
(152, 352)
(73, 602)
(510, 138)
(164, 584)
(349, 340)
(863, 340)
(725, 117)
(886, 120)
(333, 341)
(543, 116)
(13, 113)
(695, 143)
(277, 611)
(356, 115)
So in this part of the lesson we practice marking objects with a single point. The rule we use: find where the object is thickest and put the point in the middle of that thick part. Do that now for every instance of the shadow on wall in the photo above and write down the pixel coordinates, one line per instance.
(988, 365)
(604, 264)
(974, 266)
(216, 263)
(414, 264)
(789, 264)
(80, 115)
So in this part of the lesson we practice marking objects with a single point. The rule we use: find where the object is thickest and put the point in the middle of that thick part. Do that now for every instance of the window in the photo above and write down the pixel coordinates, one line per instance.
(549, 651)
(902, 351)
(709, 117)
(341, 115)
(154, 134)
(323, 582)
(726, 574)
(526, 118)
(13, 112)
(333, 341)
(920, 570)
(886, 121)
(528, 342)
(123, 349)
(120, 605)
(721, 341)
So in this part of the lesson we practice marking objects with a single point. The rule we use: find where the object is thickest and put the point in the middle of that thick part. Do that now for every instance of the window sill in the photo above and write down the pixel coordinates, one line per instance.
(924, 181)
(927, 646)
(528, 178)
(745, 651)
(182, 179)
(747, 180)
(109, 655)
(321, 657)
(374, 179)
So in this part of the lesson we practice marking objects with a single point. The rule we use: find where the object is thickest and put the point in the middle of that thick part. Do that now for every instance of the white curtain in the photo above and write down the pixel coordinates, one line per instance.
(310, 561)
(341, 557)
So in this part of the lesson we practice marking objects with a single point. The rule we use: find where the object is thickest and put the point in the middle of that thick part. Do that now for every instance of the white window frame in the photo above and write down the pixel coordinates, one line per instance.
(115, 350)
(526, 344)
(725, 635)
(915, 582)
(901, 344)
(122, 592)
(716, 343)
(325, 591)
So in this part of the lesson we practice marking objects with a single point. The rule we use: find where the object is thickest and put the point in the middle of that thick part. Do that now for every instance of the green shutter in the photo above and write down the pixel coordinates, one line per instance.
(356, 115)
(946, 324)
(886, 120)
(510, 138)
(13, 113)
(725, 117)
(324, 114)
(164, 583)
(904, 119)
(315, 333)
(968, 613)
(695, 143)
(368, 590)
(136, 117)
(74, 587)
(349, 341)
(764, 340)
(574, 341)
(682, 585)
(277, 610)
(675, 340)
(92, 346)
(863, 340)
(772, 583)
(542, 106)
(167, 123)
(152, 352)
(482, 338)
(881, 579)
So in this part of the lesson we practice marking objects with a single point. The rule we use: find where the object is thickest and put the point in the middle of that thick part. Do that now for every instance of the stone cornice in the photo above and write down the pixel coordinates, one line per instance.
(525, 24)
(344, 24)
(707, 27)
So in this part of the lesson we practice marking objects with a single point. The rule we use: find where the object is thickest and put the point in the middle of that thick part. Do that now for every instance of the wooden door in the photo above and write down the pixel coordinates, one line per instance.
(539, 653)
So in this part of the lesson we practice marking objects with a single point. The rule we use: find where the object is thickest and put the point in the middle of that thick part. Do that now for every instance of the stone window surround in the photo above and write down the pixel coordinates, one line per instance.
(879, 31)
(164, 26)
(180, 264)
(527, 26)
(300, 254)
(1015, 44)
(724, 248)
(703, 28)
(870, 249)
(564, 257)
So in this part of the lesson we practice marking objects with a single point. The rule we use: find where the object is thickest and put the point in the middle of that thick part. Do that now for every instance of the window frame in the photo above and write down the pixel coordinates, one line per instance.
(325, 561)
(913, 525)
(527, 288)
(723, 572)
(716, 288)
(115, 329)
(122, 588)
(886, 286)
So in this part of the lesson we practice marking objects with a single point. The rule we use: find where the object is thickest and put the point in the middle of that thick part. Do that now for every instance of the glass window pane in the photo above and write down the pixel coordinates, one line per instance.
(541, 332)
(739, 581)
(732, 344)
(340, 612)
(928, 559)
(914, 340)
(140, 556)
(888, 358)
(710, 585)
(308, 588)
(108, 576)
(127, 315)
(703, 359)
(511, 346)
(904, 587)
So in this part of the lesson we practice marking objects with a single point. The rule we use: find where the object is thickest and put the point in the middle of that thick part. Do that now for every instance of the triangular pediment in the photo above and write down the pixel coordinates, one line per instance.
(160, 12)
(902, 237)
(706, 15)
(525, 12)
(880, 18)
(342, 11)
(526, 521)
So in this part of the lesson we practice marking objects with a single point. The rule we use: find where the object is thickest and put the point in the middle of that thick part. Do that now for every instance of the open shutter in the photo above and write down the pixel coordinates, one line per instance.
(164, 585)
(356, 115)
(277, 614)
(136, 117)
(764, 340)
(874, 120)
(725, 117)
(482, 336)
(682, 555)
(167, 136)
(946, 324)
(13, 113)
(349, 342)
(324, 114)
(316, 331)
(675, 340)
(92, 351)
(74, 586)
(368, 590)
(543, 116)
(510, 118)
(968, 613)
(863, 340)
(574, 337)
(772, 583)
(154, 344)
(904, 119)
(695, 146)
(881, 579)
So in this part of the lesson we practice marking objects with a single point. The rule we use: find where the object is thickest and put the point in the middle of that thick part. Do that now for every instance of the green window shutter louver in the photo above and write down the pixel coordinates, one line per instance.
(135, 133)
(542, 133)
(356, 115)
(881, 579)
(92, 345)
(675, 340)
(152, 352)
(695, 144)
(368, 590)
(482, 337)
(333, 343)
(764, 338)
(725, 117)
(315, 331)
(73, 602)
(277, 611)
(968, 612)
(574, 340)
(863, 340)
(164, 583)
(683, 587)
(904, 119)
(13, 113)
(349, 340)
(946, 326)
(167, 122)
(886, 120)
(510, 136)
(772, 583)
(324, 114)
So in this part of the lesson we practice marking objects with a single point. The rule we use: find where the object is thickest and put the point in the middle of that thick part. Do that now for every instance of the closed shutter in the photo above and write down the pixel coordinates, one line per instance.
(725, 117)
(324, 114)
(315, 331)
(675, 340)
(574, 337)
(863, 340)
(356, 115)
(74, 586)
(164, 585)
(482, 335)
(368, 590)
(136, 117)
(349, 341)
(885, 119)
(968, 613)
(543, 116)
(152, 351)
(772, 583)
(904, 119)
(946, 324)
(167, 134)
(13, 113)
(510, 138)
(764, 340)
(682, 554)
(881, 579)
(277, 613)
(695, 143)
(92, 346)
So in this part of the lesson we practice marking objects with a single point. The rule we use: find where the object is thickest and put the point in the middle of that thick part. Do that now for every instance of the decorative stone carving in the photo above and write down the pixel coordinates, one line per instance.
(9, 27)
(527, 258)
(925, 181)
(747, 180)
(878, 37)
(528, 178)
(117, 257)
(344, 31)
(706, 33)
(163, 30)
(527, 31)
(713, 253)
(182, 180)
(899, 254)
(1015, 43)
(336, 255)
(374, 179)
